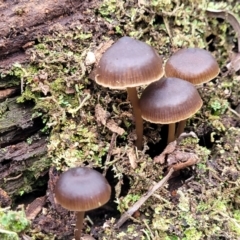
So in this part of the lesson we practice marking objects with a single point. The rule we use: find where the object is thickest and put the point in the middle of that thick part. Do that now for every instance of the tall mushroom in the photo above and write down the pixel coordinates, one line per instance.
(168, 101)
(194, 65)
(81, 189)
(129, 63)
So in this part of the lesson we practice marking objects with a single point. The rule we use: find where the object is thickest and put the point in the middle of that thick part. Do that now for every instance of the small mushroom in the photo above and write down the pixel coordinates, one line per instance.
(130, 63)
(194, 65)
(81, 189)
(168, 101)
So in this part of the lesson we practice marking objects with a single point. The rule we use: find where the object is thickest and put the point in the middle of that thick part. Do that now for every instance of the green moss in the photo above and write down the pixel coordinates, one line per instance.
(124, 203)
(218, 106)
(28, 95)
(12, 223)
(108, 7)
(192, 234)
(57, 81)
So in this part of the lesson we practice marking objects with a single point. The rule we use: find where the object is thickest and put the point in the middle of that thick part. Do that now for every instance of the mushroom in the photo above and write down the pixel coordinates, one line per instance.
(81, 189)
(194, 65)
(129, 63)
(168, 101)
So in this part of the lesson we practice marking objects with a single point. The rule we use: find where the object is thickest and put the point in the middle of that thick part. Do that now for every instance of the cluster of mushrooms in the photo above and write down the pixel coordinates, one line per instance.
(171, 99)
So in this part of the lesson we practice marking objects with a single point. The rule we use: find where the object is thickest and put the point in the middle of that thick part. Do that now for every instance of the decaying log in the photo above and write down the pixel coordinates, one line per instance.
(5, 93)
(23, 22)
(22, 148)
(22, 164)
(17, 122)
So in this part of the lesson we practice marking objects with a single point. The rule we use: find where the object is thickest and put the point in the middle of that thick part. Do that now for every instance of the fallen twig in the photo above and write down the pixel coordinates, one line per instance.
(234, 112)
(143, 199)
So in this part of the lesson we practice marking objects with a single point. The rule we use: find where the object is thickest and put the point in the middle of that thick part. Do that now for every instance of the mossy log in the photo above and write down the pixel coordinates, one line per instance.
(23, 148)
(22, 22)
(22, 164)
(17, 122)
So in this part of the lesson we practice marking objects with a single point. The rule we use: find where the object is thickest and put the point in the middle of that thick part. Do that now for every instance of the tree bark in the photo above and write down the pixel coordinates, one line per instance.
(23, 22)
(22, 147)
(16, 122)
(22, 164)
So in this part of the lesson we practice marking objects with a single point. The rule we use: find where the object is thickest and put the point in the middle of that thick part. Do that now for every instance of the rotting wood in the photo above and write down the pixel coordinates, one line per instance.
(5, 93)
(16, 122)
(24, 22)
(17, 160)
(15, 40)
(5, 200)
(35, 207)
(17, 154)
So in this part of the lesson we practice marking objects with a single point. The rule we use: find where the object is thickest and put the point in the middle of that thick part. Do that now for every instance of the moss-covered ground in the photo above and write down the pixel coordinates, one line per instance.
(203, 201)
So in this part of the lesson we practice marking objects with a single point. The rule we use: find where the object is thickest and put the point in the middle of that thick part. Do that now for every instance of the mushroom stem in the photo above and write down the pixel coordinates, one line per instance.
(79, 225)
(171, 132)
(133, 98)
(180, 127)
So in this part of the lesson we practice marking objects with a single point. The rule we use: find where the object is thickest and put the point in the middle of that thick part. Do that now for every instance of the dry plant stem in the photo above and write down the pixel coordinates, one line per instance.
(143, 199)
(79, 225)
(133, 98)
(171, 132)
(180, 128)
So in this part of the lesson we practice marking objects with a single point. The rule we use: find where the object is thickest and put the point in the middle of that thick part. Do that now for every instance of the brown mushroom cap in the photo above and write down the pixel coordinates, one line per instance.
(129, 63)
(82, 189)
(169, 100)
(194, 65)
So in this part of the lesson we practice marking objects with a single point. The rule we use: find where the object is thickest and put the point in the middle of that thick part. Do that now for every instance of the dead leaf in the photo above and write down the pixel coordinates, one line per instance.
(169, 149)
(44, 88)
(181, 160)
(111, 125)
(101, 115)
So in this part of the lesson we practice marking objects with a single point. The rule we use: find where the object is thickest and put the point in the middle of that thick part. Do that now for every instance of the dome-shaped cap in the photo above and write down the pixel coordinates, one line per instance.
(82, 189)
(194, 65)
(169, 100)
(129, 63)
